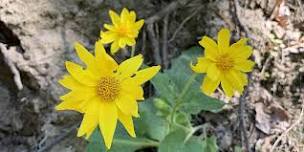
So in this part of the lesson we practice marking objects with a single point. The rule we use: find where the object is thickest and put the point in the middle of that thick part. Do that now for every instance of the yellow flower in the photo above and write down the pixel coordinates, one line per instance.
(224, 64)
(104, 91)
(124, 30)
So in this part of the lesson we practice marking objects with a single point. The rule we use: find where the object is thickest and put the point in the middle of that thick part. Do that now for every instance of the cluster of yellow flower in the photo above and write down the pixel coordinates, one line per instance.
(105, 91)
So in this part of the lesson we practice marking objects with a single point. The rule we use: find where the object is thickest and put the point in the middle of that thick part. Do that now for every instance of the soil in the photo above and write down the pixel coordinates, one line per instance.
(37, 36)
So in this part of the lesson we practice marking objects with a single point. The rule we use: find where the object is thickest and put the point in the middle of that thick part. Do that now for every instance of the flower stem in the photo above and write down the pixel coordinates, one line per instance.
(144, 143)
(133, 51)
(179, 100)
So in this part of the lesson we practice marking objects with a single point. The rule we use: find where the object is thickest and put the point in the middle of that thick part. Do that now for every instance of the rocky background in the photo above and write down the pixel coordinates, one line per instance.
(37, 36)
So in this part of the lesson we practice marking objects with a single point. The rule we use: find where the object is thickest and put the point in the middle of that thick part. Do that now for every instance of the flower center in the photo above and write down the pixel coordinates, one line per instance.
(122, 31)
(108, 88)
(224, 62)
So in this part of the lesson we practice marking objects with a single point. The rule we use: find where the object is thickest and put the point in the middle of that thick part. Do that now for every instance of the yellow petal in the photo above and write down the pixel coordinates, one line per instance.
(132, 16)
(236, 80)
(139, 24)
(107, 121)
(127, 104)
(86, 57)
(130, 41)
(90, 118)
(127, 122)
(88, 124)
(108, 27)
(244, 78)
(201, 66)
(209, 86)
(223, 39)
(241, 52)
(114, 47)
(239, 43)
(71, 105)
(128, 67)
(213, 72)
(132, 34)
(107, 37)
(124, 15)
(244, 65)
(76, 99)
(103, 60)
(227, 87)
(70, 83)
(132, 88)
(82, 76)
(114, 17)
(122, 42)
(80, 94)
(211, 49)
(145, 75)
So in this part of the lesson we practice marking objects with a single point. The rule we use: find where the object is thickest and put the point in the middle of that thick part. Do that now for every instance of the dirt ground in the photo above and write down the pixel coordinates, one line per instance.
(37, 36)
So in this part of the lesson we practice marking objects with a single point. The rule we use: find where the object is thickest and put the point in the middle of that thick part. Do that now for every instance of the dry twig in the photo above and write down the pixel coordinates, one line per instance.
(290, 128)
(183, 23)
(56, 140)
(151, 26)
(242, 107)
(168, 9)
(165, 41)
(242, 27)
(155, 43)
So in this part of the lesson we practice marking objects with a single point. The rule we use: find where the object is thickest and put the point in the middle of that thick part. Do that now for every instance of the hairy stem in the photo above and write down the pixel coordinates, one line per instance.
(179, 100)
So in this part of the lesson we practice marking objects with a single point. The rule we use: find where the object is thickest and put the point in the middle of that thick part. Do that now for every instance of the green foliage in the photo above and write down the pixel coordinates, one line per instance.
(238, 149)
(209, 144)
(170, 84)
(120, 143)
(164, 120)
(149, 124)
(176, 142)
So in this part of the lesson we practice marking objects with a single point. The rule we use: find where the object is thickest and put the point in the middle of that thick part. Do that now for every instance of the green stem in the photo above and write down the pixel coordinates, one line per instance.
(186, 129)
(133, 51)
(146, 143)
(179, 100)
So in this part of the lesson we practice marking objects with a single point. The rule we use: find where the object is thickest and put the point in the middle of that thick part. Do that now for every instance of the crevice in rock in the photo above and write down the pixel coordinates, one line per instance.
(8, 37)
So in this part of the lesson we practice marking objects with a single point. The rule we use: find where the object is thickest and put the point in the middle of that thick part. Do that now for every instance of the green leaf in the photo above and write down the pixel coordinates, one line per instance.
(163, 108)
(176, 142)
(149, 128)
(209, 144)
(238, 149)
(121, 142)
(165, 87)
(170, 84)
(183, 119)
(149, 124)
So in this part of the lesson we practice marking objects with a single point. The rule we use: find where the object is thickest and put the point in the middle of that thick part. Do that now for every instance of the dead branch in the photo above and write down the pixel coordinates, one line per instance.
(244, 136)
(155, 43)
(144, 39)
(56, 140)
(297, 122)
(165, 42)
(183, 23)
(168, 9)
(239, 23)
(153, 30)
(225, 19)
(241, 116)
(265, 66)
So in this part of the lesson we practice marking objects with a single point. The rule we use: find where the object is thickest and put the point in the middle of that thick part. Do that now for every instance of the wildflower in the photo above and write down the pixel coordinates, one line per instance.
(104, 91)
(124, 30)
(224, 64)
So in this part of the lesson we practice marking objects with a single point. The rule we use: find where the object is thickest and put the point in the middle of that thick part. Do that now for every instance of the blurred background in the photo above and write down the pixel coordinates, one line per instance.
(37, 36)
